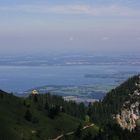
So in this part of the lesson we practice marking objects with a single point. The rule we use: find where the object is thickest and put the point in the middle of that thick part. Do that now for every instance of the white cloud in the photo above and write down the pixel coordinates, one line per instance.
(112, 10)
(71, 38)
(105, 38)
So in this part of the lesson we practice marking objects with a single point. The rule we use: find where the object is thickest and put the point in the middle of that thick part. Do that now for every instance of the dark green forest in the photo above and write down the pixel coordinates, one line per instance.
(40, 117)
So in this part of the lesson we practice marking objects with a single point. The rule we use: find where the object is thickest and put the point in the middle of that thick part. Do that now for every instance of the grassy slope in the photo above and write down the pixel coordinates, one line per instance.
(13, 125)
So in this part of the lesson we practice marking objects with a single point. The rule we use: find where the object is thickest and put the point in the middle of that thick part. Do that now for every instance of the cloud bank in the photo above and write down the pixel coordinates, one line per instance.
(77, 9)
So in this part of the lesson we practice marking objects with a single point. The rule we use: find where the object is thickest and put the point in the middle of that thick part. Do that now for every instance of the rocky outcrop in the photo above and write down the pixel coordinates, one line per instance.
(129, 115)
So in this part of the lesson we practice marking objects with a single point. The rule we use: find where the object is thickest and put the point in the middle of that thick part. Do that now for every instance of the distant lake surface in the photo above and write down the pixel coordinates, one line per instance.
(22, 78)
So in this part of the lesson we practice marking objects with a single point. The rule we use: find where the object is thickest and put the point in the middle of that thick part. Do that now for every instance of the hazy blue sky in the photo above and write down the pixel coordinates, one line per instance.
(41, 26)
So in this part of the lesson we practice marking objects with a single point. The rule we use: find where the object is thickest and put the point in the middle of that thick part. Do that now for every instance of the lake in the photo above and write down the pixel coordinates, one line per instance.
(22, 78)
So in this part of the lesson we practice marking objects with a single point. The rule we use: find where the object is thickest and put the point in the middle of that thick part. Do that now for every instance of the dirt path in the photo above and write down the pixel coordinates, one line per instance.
(71, 133)
(58, 137)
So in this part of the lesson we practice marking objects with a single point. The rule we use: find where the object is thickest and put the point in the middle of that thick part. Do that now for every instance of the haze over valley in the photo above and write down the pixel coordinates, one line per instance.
(78, 77)
(70, 70)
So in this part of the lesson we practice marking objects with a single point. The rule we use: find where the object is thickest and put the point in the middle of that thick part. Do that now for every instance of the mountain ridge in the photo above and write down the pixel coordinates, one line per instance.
(45, 116)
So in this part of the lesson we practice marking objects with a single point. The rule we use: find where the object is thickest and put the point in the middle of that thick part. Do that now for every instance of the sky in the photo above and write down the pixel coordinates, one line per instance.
(44, 26)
